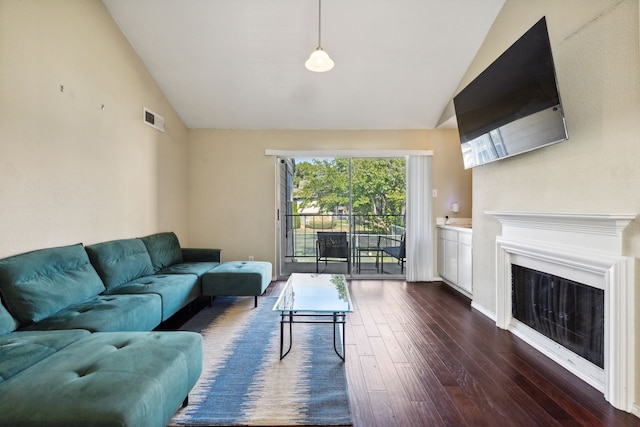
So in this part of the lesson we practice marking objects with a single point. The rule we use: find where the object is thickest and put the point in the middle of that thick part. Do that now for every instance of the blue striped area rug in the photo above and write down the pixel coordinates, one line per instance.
(244, 382)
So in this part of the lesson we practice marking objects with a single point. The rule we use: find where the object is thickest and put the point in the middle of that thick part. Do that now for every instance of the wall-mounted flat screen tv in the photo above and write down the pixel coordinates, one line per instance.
(514, 105)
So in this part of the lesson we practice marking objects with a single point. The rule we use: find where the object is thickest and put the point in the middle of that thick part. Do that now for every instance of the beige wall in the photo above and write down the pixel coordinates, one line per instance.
(233, 184)
(69, 170)
(596, 51)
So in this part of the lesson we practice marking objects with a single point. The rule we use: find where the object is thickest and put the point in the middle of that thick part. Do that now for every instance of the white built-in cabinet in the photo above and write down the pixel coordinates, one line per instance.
(454, 257)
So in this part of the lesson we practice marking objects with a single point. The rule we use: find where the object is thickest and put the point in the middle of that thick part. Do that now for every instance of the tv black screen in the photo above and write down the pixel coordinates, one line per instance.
(514, 105)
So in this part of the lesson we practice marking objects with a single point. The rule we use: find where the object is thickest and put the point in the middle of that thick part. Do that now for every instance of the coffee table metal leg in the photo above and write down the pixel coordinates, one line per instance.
(282, 322)
(344, 344)
(281, 333)
(335, 325)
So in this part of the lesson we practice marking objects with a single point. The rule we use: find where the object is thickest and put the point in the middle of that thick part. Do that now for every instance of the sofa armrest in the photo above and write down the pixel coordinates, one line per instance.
(201, 255)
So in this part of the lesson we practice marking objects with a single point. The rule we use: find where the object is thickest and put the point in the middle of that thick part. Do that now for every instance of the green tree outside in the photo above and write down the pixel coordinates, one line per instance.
(378, 188)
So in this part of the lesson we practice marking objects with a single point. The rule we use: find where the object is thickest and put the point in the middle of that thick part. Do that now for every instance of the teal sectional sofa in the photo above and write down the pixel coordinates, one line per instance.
(77, 345)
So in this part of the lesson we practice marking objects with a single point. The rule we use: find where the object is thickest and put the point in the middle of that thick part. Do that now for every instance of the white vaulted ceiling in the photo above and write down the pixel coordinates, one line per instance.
(239, 64)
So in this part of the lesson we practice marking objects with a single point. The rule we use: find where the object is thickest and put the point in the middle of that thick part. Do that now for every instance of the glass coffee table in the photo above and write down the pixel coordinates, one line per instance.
(314, 298)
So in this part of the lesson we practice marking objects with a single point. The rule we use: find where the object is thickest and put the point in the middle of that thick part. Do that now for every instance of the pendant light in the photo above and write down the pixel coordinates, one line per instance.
(319, 60)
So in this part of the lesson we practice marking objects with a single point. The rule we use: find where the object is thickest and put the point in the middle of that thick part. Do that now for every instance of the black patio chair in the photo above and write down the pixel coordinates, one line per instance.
(393, 247)
(333, 246)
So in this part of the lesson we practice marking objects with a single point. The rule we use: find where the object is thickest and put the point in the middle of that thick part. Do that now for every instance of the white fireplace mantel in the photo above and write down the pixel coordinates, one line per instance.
(586, 248)
(601, 232)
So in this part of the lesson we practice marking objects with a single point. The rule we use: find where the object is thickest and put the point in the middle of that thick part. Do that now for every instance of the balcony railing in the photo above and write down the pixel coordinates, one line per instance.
(363, 230)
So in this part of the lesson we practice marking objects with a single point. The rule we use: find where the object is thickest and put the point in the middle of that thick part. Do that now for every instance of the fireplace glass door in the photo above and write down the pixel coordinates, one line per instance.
(569, 313)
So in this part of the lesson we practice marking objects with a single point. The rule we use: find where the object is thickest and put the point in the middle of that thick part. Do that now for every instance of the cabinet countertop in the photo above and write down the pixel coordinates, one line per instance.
(460, 228)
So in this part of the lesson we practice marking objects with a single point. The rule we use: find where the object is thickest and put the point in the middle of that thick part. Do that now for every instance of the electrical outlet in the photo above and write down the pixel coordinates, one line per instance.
(250, 257)
(434, 193)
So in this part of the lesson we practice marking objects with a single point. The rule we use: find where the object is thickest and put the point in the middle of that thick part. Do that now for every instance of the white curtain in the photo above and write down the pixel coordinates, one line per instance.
(419, 237)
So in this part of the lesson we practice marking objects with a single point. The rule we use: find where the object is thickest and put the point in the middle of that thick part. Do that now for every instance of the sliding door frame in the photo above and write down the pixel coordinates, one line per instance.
(282, 155)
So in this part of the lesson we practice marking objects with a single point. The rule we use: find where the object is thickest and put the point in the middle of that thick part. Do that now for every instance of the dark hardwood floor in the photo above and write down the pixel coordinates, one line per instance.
(418, 355)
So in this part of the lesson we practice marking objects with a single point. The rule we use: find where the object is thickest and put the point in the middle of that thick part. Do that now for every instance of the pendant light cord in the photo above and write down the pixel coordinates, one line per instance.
(319, 24)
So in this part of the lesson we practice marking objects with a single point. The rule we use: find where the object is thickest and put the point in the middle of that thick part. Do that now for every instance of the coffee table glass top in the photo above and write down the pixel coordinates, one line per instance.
(320, 293)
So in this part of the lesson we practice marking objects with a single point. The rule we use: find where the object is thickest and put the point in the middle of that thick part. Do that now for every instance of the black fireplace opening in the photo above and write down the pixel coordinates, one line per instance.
(568, 312)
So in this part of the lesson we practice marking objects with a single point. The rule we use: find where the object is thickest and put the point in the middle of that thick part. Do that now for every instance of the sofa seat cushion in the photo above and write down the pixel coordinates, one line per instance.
(120, 261)
(108, 313)
(106, 379)
(37, 284)
(20, 350)
(197, 268)
(176, 290)
(164, 249)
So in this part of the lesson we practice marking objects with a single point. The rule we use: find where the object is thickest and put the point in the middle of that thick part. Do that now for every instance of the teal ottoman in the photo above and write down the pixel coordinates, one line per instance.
(237, 278)
(123, 379)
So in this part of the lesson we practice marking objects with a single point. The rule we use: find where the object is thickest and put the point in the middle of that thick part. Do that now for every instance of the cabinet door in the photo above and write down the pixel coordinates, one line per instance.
(451, 260)
(465, 267)
(441, 263)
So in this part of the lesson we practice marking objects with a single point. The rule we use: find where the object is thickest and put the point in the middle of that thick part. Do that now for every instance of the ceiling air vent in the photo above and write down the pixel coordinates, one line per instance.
(152, 119)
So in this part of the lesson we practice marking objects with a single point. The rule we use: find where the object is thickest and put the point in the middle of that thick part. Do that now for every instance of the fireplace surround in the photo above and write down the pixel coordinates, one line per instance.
(583, 248)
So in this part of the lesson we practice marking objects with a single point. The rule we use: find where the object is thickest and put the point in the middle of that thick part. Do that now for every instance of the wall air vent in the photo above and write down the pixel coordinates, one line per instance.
(152, 119)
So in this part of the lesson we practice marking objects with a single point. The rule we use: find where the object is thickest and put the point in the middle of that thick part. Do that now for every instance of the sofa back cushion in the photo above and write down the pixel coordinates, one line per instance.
(37, 284)
(164, 249)
(120, 261)
(7, 322)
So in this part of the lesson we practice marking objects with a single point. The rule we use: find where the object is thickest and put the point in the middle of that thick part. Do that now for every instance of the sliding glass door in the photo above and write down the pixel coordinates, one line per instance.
(360, 201)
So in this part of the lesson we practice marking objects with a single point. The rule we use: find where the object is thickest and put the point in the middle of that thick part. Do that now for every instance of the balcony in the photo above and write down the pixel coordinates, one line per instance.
(363, 231)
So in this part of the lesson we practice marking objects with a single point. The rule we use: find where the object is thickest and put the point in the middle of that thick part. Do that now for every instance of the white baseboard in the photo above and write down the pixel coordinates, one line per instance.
(483, 311)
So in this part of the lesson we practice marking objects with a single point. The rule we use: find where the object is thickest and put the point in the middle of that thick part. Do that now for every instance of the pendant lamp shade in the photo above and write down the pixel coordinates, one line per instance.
(319, 60)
